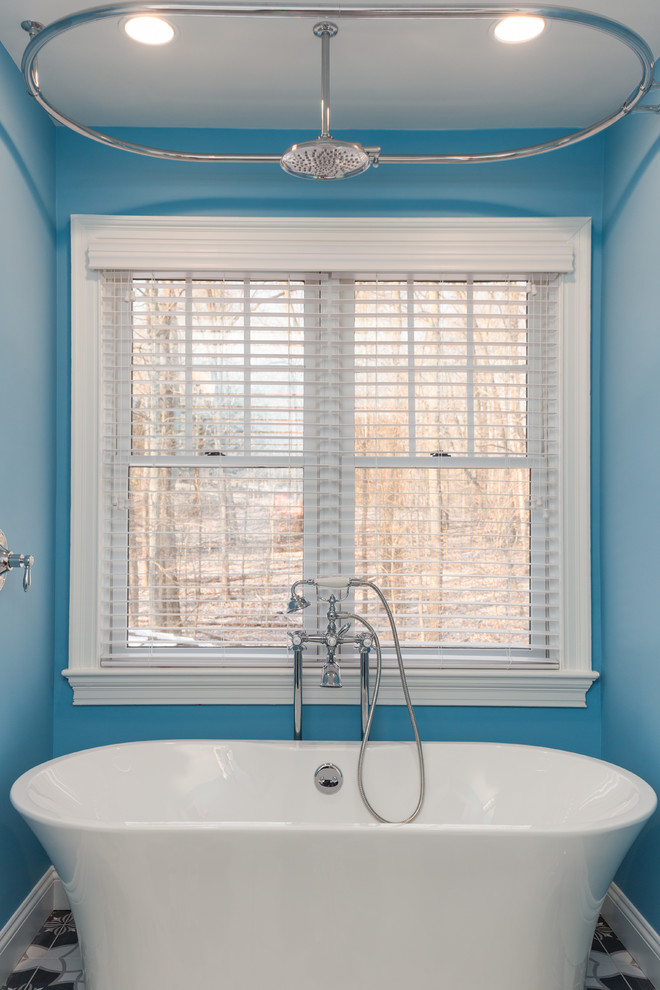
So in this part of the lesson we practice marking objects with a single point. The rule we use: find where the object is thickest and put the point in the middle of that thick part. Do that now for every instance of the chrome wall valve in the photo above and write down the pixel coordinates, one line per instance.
(8, 561)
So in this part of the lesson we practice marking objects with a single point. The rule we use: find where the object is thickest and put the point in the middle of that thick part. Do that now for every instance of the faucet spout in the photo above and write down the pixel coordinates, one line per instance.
(331, 676)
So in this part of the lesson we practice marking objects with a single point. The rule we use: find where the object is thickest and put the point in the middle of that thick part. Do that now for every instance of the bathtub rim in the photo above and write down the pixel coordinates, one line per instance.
(648, 802)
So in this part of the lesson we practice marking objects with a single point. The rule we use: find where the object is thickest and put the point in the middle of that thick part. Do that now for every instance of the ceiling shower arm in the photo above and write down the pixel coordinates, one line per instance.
(325, 30)
(325, 84)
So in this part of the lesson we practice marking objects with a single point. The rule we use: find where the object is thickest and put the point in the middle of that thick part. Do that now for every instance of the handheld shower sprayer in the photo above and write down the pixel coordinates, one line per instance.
(337, 588)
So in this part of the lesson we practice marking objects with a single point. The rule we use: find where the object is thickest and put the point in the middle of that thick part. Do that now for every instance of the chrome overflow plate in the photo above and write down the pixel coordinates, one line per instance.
(328, 778)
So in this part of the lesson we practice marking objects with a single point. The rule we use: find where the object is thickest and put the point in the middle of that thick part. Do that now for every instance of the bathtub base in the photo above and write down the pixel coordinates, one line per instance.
(384, 911)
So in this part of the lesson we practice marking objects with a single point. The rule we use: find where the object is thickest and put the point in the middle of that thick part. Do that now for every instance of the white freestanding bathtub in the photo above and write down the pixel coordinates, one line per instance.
(220, 865)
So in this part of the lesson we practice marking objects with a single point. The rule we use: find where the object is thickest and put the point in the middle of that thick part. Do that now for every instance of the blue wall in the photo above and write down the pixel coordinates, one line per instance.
(27, 442)
(94, 179)
(630, 479)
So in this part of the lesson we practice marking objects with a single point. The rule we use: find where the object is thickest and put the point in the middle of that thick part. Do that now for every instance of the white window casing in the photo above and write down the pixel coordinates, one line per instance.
(352, 250)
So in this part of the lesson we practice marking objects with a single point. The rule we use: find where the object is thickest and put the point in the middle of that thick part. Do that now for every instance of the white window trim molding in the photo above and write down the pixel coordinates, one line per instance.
(363, 244)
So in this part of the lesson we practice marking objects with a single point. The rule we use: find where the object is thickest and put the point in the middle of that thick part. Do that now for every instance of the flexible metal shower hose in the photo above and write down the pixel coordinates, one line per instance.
(379, 665)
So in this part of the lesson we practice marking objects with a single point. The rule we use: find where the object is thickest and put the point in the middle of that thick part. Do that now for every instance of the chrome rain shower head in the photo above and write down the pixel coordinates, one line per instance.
(326, 157)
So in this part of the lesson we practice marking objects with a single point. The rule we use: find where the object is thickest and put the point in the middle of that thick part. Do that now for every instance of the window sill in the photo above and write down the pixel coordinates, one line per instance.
(274, 686)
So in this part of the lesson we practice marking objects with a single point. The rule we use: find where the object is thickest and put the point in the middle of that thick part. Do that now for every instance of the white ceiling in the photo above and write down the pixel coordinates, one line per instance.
(264, 72)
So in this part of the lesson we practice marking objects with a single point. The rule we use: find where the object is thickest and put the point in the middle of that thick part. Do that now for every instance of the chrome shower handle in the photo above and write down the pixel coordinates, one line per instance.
(27, 573)
(8, 561)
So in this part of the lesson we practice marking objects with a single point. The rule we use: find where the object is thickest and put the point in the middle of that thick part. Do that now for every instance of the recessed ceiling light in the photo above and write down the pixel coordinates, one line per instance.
(149, 30)
(518, 28)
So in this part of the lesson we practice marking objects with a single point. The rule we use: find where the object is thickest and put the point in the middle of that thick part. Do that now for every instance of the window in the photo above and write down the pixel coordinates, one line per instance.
(404, 424)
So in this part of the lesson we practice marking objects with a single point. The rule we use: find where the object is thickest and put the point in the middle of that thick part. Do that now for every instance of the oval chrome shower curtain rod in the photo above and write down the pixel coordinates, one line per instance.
(41, 36)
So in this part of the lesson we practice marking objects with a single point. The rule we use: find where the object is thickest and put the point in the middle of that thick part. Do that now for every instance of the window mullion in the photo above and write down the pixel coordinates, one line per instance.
(469, 363)
(412, 427)
(188, 408)
(311, 476)
(247, 370)
(328, 384)
(345, 322)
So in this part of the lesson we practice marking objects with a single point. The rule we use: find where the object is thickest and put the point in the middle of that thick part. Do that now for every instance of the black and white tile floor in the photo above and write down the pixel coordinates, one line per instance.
(611, 967)
(53, 960)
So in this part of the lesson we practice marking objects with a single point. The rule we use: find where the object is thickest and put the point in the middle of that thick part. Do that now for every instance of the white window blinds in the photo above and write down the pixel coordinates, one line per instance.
(261, 429)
